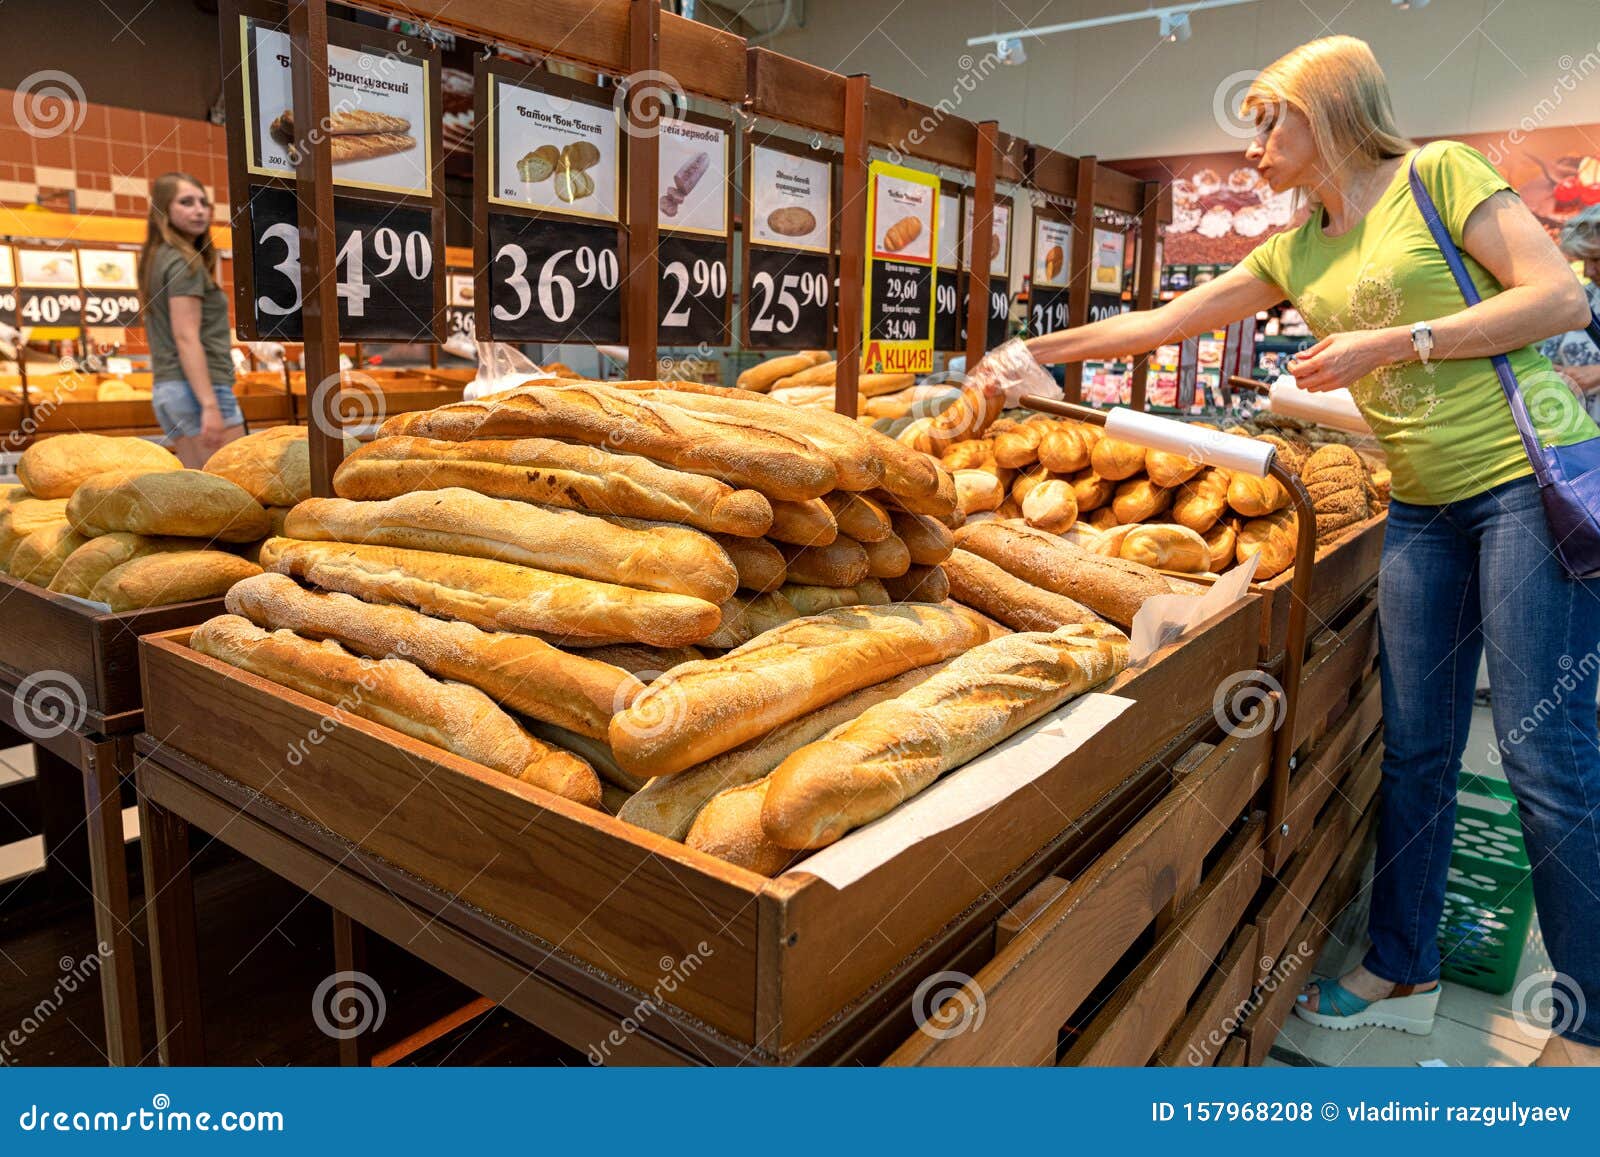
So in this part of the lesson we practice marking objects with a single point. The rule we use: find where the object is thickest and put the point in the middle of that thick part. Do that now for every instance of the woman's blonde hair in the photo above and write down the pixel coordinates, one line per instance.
(200, 256)
(1337, 85)
(1580, 236)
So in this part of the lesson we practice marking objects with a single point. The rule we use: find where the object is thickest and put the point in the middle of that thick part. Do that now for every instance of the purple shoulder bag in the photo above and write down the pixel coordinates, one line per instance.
(1568, 476)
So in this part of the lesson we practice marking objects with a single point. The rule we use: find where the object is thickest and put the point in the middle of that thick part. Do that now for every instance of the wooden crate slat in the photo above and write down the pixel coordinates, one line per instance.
(1215, 1012)
(1327, 763)
(1330, 672)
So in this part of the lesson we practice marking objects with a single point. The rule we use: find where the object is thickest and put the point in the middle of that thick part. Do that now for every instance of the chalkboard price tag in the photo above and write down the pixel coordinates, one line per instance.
(692, 303)
(999, 312)
(1047, 310)
(383, 266)
(948, 319)
(111, 309)
(50, 307)
(553, 280)
(1104, 305)
(790, 303)
(902, 300)
(8, 303)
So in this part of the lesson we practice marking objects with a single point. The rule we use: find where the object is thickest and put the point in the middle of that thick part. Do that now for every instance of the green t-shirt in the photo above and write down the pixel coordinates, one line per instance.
(1446, 427)
(171, 277)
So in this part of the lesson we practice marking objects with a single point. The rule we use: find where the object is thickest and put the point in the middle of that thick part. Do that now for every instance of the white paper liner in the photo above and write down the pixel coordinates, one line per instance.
(968, 791)
(1213, 447)
(1161, 619)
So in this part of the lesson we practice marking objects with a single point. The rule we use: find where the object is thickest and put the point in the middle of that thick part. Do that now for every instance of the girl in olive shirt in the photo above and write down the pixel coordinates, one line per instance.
(1467, 556)
(186, 323)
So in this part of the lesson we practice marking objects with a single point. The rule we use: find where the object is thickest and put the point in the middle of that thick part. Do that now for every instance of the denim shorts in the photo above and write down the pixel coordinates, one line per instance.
(178, 410)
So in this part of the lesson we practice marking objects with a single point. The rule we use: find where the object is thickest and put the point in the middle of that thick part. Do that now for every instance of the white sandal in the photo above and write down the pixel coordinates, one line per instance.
(1408, 1011)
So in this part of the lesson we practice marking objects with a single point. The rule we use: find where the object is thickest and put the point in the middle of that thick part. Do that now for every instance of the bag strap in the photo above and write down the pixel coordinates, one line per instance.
(1469, 291)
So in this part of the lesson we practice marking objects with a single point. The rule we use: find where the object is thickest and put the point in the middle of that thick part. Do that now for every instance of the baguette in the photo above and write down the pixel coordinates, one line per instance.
(668, 804)
(858, 516)
(703, 709)
(920, 584)
(520, 673)
(171, 577)
(813, 600)
(595, 752)
(820, 373)
(729, 827)
(940, 504)
(929, 540)
(983, 586)
(894, 750)
(495, 595)
(842, 563)
(887, 559)
(186, 503)
(92, 561)
(398, 694)
(747, 615)
(760, 378)
(759, 564)
(54, 467)
(1112, 588)
(670, 559)
(779, 465)
(809, 523)
(556, 474)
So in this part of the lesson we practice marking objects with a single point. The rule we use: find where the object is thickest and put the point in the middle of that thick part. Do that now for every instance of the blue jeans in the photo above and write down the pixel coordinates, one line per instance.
(1454, 578)
(178, 410)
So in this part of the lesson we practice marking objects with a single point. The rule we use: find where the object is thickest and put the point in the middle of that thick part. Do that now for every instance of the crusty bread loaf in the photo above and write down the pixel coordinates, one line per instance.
(842, 563)
(1199, 502)
(273, 465)
(1139, 499)
(858, 516)
(24, 517)
(554, 473)
(38, 557)
(819, 373)
(748, 614)
(808, 523)
(1221, 541)
(703, 709)
(761, 377)
(86, 566)
(973, 454)
(887, 558)
(398, 694)
(778, 465)
(1019, 446)
(729, 827)
(980, 584)
(1112, 588)
(1274, 538)
(186, 503)
(927, 539)
(177, 576)
(978, 491)
(1051, 505)
(497, 596)
(1065, 448)
(920, 584)
(941, 504)
(759, 564)
(668, 804)
(644, 662)
(1091, 491)
(54, 467)
(577, 692)
(673, 559)
(813, 600)
(896, 749)
(1167, 546)
(1256, 497)
(1336, 480)
(1115, 459)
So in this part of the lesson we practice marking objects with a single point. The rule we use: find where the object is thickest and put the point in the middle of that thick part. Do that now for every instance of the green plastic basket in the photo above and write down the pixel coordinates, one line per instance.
(1488, 903)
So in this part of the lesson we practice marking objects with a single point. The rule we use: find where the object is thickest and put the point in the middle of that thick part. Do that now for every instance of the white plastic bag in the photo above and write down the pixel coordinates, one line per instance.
(501, 367)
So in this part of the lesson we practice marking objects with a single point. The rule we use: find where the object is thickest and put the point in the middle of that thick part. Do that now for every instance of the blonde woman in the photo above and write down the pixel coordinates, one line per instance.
(1467, 555)
(1574, 354)
(186, 323)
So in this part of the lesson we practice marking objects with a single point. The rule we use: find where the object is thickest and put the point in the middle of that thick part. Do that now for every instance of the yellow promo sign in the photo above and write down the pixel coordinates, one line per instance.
(898, 294)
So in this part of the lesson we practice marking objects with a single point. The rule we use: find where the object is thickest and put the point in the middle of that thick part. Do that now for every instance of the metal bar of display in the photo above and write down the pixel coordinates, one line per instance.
(852, 242)
(979, 230)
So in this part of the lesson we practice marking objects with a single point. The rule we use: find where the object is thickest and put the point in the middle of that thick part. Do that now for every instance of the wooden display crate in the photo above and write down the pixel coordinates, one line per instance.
(774, 959)
(97, 649)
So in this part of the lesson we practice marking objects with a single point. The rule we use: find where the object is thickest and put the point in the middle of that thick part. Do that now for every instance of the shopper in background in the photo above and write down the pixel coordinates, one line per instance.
(1575, 354)
(1468, 558)
(186, 323)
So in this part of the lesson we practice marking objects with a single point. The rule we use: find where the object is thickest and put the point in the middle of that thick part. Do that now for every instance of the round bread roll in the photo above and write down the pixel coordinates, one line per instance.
(1202, 500)
(1065, 448)
(1115, 459)
(54, 467)
(1139, 499)
(1092, 491)
(1221, 541)
(1051, 505)
(978, 490)
(1166, 546)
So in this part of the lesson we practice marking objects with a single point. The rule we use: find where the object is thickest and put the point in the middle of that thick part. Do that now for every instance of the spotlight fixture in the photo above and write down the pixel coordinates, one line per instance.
(1408, 5)
(1175, 27)
(1011, 52)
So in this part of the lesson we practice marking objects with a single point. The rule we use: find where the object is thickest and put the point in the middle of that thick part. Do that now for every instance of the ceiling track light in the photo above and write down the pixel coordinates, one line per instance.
(1175, 27)
(1173, 20)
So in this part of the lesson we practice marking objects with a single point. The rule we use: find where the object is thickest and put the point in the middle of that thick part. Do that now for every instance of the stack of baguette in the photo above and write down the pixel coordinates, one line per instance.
(806, 381)
(1164, 510)
(119, 521)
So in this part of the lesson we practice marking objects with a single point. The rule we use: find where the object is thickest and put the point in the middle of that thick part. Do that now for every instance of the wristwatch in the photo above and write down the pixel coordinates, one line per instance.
(1422, 340)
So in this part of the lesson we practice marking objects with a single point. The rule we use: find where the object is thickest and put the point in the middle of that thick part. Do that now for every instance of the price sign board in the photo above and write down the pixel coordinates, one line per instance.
(1047, 310)
(8, 283)
(898, 305)
(48, 291)
(789, 260)
(546, 207)
(384, 268)
(694, 245)
(1104, 305)
(999, 312)
(460, 319)
(383, 135)
(948, 318)
(110, 280)
(551, 281)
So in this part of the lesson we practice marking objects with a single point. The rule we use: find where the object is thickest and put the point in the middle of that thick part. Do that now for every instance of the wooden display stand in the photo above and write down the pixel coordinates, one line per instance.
(81, 663)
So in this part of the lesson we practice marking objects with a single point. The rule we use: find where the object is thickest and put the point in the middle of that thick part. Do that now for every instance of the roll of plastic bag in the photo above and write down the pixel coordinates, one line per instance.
(1333, 408)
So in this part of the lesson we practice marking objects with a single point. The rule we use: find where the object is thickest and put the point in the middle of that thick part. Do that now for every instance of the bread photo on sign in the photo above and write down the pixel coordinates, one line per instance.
(1054, 259)
(539, 164)
(791, 221)
(902, 233)
(355, 134)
